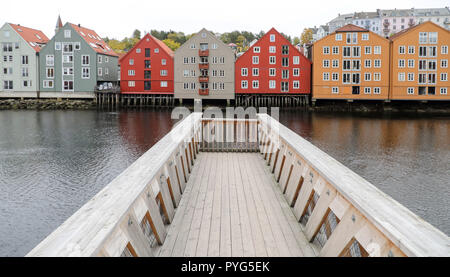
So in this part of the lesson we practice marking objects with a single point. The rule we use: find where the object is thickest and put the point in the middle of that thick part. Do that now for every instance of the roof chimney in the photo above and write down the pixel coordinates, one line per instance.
(79, 25)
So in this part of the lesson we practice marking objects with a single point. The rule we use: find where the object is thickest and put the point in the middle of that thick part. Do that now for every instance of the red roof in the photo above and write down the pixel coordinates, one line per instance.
(351, 28)
(161, 44)
(34, 37)
(94, 40)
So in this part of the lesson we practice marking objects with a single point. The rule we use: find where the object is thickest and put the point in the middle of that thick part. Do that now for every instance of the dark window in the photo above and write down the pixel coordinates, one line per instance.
(147, 85)
(204, 46)
(147, 63)
(285, 50)
(285, 62)
(285, 86)
(147, 52)
(147, 74)
(355, 90)
(431, 90)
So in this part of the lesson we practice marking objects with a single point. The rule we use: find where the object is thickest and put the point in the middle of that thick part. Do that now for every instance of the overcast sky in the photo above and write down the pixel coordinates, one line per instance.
(117, 19)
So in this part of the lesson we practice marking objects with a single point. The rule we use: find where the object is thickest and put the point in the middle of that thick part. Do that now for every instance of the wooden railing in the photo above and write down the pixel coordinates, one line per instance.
(229, 135)
(129, 216)
(342, 213)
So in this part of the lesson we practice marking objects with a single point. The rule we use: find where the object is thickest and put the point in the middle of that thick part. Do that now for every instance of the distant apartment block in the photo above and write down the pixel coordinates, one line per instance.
(19, 60)
(419, 64)
(204, 68)
(148, 68)
(351, 63)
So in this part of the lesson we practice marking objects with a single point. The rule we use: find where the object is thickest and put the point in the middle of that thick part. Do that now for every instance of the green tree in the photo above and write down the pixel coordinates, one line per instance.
(296, 40)
(172, 44)
(137, 34)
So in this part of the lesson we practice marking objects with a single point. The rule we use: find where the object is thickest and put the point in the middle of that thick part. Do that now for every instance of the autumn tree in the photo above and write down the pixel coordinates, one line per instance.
(306, 36)
(172, 44)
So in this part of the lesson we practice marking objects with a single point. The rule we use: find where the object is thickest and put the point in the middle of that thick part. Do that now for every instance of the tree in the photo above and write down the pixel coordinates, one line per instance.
(137, 34)
(306, 36)
(172, 44)
(296, 40)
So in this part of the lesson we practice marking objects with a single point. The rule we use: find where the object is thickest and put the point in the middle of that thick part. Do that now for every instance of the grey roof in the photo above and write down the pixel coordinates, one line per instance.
(396, 12)
(432, 12)
(341, 17)
(365, 15)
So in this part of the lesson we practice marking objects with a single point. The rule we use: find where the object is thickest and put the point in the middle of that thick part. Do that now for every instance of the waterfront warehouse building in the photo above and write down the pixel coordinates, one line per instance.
(19, 60)
(272, 66)
(419, 63)
(147, 68)
(204, 68)
(76, 61)
(351, 63)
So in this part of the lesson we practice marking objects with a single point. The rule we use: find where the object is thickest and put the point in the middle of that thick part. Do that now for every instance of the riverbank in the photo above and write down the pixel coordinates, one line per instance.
(46, 104)
(382, 107)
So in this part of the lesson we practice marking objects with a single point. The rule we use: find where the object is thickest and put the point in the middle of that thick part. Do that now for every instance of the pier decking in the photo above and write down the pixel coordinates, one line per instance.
(233, 207)
(241, 187)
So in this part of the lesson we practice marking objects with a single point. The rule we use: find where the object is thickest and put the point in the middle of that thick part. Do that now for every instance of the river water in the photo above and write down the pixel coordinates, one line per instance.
(52, 162)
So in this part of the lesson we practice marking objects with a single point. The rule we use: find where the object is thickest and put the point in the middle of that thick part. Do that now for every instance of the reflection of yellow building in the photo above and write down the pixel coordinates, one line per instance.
(351, 63)
(419, 63)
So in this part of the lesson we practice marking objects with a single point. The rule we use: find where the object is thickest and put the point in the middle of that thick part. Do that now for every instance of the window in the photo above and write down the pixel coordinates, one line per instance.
(444, 49)
(401, 76)
(50, 72)
(401, 49)
(131, 84)
(272, 60)
(67, 34)
(244, 72)
(367, 76)
(367, 50)
(296, 84)
(335, 90)
(194, 60)
(433, 37)
(338, 37)
(272, 38)
(410, 90)
(377, 63)
(376, 90)
(401, 63)
(285, 86)
(346, 51)
(335, 50)
(131, 73)
(68, 58)
(422, 78)
(444, 91)
(77, 46)
(7, 47)
(85, 60)
(138, 50)
(346, 65)
(346, 78)
(366, 90)
(147, 85)
(284, 61)
(326, 50)
(147, 52)
(272, 72)
(377, 50)
(335, 63)
(255, 59)
(410, 77)
(356, 51)
(68, 47)
(244, 84)
(367, 63)
(163, 72)
(85, 73)
(256, 49)
(185, 86)
(24, 60)
(423, 37)
(272, 84)
(255, 84)
(272, 49)
(255, 71)
(296, 60)
(285, 74)
(431, 78)
(163, 84)
(432, 65)
(296, 72)
(8, 84)
(411, 49)
(156, 50)
(147, 64)
(377, 76)
(443, 77)
(422, 51)
(335, 76)
(68, 85)
(326, 63)
(106, 59)
(326, 76)
(365, 37)
(50, 60)
(99, 59)
(285, 50)
(444, 63)
(192, 46)
(100, 71)
(432, 51)
(48, 84)
(410, 63)
(356, 65)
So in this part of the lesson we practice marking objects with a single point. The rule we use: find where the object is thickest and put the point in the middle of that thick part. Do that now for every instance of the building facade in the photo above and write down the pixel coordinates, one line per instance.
(369, 21)
(19, 60)
(273, 66)
(419, 63)
(351, 63)
(74, 62)
(204, 68)
(147, 68)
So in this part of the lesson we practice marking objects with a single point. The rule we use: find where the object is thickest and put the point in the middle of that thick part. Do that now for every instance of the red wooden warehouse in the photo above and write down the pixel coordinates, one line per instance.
(272, 66)
(147, 68)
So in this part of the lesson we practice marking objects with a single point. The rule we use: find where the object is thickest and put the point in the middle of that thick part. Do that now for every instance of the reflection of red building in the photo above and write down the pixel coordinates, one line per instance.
(273, 66)
(147, 68)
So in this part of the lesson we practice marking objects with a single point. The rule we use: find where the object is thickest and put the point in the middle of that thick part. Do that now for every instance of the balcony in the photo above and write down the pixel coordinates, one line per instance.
(203, 79)
(203, 91)
(203, 66)
(203, 53)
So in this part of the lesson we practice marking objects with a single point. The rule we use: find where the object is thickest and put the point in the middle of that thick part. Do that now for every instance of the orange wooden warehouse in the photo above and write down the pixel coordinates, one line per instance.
(419, 63)
(351, 63)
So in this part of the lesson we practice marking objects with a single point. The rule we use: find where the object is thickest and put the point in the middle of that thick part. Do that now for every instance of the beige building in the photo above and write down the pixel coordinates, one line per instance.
(204, 68)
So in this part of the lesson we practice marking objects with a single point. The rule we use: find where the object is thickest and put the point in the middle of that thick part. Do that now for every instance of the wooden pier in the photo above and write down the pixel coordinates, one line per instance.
(241, 187)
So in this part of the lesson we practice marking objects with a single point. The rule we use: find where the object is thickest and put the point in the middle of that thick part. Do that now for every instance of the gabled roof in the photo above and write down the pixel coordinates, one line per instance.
(161, 44)
(402, 32)
(351, 28)
(35, 38)
(94, 40)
